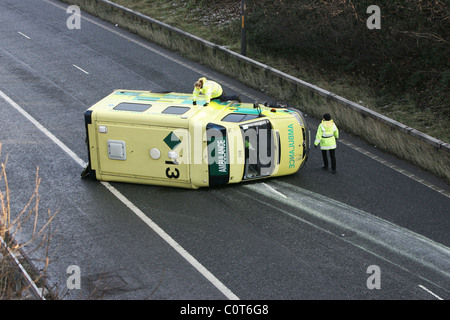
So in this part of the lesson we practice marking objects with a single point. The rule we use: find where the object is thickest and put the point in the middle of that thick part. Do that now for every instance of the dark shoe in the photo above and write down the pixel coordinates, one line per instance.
(334, 171)
(324, 167)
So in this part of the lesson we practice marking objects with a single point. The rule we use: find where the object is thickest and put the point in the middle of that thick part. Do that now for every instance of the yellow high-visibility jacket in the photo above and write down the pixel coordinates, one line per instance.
(327, 133)
(210, 89)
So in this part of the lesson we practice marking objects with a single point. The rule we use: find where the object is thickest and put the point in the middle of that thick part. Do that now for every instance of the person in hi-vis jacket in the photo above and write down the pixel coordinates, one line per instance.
(211, 90)
(326, 136)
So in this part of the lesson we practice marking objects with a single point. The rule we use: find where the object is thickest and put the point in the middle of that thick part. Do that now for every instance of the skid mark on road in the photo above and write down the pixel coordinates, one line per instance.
(374, 235)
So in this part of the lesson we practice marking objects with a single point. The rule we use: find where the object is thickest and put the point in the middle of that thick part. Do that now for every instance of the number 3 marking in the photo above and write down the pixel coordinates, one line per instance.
(174, 175)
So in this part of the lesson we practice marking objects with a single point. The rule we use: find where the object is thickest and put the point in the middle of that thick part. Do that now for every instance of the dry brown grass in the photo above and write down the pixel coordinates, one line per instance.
(11, 225)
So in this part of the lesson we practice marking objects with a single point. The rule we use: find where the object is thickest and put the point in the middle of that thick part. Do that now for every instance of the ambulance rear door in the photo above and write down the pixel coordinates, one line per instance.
(151, 153)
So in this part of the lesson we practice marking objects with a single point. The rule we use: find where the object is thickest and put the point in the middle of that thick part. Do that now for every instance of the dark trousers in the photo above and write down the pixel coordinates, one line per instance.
(332, 157)
(224, 97)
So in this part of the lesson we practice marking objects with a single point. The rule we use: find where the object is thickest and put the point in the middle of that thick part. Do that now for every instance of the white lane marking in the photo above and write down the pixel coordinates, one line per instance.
(143, 45)
(23, 34)
(188, 257)
(44, 130)
(430, 292)
(81, 69)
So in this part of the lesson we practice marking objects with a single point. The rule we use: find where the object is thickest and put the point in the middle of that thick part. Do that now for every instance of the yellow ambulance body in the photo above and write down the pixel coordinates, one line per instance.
(163, 139)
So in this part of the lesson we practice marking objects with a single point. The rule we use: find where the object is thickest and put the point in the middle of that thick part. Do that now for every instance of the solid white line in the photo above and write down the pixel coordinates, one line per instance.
(188, 257)
(23, 34)
(430, 292)
(80, 69)
(44, 130)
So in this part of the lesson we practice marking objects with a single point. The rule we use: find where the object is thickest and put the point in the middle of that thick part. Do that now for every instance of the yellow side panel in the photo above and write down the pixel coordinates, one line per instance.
(145, 152)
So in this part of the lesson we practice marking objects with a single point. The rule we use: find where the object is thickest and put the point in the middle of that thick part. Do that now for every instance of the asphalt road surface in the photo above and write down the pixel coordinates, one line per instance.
(378, 229)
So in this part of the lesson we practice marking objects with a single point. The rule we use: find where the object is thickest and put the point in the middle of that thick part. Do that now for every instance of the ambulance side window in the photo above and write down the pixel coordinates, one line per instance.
(136, 107)
(239, 117)
(176, 110)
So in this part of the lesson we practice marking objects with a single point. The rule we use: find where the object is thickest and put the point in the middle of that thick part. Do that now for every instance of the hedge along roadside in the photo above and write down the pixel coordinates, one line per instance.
(389, 135)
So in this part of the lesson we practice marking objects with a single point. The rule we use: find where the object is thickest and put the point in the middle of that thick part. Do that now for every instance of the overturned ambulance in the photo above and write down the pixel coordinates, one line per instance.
(163, 139)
